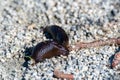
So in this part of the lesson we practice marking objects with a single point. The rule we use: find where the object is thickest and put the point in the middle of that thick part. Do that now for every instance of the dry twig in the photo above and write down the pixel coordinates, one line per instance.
(110, 41)
(62, 75)
(80, 45)
(116, 60)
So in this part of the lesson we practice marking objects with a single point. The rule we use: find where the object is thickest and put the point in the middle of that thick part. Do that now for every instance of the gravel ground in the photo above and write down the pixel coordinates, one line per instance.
(83, 20)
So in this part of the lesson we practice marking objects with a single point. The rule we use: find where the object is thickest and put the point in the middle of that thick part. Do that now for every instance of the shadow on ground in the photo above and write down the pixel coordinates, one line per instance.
(27, 52)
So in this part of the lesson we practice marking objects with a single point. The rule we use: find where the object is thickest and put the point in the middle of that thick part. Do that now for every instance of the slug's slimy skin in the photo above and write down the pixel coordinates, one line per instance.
(48, 49)
(57, 34)
(57, 45)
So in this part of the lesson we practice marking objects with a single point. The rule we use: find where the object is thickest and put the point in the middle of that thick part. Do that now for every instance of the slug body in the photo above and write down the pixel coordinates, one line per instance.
(57, 34)
(48, 49)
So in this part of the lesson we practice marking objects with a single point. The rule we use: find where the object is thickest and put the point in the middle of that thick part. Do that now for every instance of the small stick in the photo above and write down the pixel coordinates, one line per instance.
(110, 41)
(116, 60)
(62, 75)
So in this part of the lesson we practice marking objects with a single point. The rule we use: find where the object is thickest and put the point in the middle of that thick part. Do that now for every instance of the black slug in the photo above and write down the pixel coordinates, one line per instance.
(48, 49)
(57, 34)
